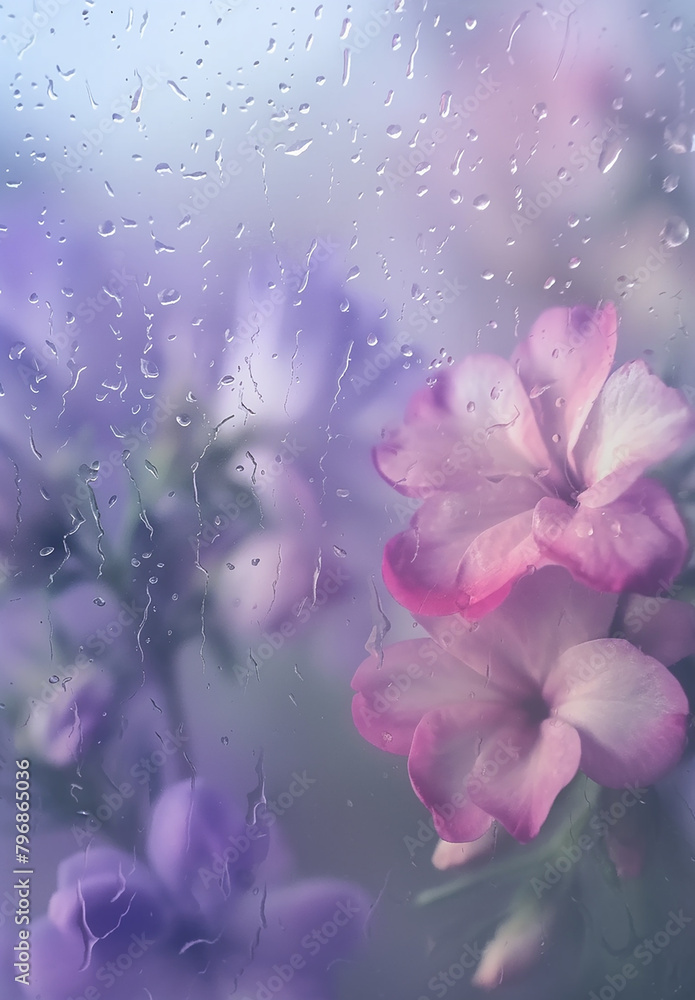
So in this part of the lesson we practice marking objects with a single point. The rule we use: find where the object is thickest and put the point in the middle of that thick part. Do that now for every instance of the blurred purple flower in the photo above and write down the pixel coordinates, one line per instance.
(184, 919)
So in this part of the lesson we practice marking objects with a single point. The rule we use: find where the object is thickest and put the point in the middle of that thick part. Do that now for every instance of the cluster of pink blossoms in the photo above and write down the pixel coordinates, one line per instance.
(537, 534)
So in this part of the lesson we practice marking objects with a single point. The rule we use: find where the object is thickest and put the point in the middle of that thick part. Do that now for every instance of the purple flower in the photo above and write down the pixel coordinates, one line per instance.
(183, 919)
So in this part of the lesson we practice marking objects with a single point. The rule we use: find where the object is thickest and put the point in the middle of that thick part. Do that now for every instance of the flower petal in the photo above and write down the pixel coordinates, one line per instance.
(514, 646)
(635, 543)
(660, 627)
(428, 568)
(636, 422)
(520, 770)
(629, 711)
(395, 692)
(444, 749)
(447, 855)
(563, 363)
(476, 420)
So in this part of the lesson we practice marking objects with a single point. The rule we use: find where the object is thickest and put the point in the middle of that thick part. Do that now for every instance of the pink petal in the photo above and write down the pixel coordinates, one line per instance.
(636, 422)
(476, 420)
(443, 752)
(518, 944)
(520, 770)
(426, 567)
(563, 363)
(393, 694)
(515, 646)
(629, 711)
(447, 855)
(634, 543)
(660, 627)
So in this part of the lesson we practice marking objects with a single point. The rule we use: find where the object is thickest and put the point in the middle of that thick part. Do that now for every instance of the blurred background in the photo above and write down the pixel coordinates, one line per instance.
(235, 237)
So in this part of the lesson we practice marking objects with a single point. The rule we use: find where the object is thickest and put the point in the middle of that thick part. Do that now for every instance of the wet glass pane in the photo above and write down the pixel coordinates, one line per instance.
(346, 507)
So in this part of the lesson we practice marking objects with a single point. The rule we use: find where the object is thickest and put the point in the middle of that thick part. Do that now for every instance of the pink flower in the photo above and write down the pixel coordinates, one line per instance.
(536, 461)
(518, 944)
(497, 716)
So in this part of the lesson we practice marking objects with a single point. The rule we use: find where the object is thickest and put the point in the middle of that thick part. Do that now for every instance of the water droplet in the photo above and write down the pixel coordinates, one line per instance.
(676, 24)
(470, 407)
(298, 147)
(149, 368)
(549, 282)
(169, 296)
(99, 601)
(372, 339)
(573, 221)
(224, 740)
(183, 419)
(386, 737)
(106, 228)
(47, 550)
(54, 679)
(342, 493)
(575, 262)
(560, 401)
(470, 23)
(341, 553)
(455, 196)
(539, 111)
(675, 231)
(445, 104)
(679, 138)
(394, 131)
(481, 202)
(487, 275)
(610, 151)
(670, 183)
(556, 439)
